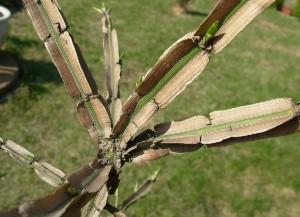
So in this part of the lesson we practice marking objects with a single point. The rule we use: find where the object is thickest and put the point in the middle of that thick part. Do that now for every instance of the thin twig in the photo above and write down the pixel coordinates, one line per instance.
(142, 190)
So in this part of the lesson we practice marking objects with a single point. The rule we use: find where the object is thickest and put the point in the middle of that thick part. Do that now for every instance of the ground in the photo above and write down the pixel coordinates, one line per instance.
(260, 179)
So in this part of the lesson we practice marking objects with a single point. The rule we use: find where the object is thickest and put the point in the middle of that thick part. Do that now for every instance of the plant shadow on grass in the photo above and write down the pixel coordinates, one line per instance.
(33, 73)
(17, 45)
(12, 5)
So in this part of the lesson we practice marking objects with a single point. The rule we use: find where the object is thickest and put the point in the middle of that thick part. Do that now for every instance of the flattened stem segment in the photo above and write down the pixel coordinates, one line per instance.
(45, 171)
(112, 64)
(222, 9)
(245, 15)
(169, 58)
(177, 79)
(236, 23)
(52, 30)
(71, 197)
(247, 123)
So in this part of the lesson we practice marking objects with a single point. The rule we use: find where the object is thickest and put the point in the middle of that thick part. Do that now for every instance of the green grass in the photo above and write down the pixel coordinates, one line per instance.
(255, 179)
(296, 11)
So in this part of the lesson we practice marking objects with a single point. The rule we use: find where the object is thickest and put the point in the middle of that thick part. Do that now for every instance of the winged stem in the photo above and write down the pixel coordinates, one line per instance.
(59, 43)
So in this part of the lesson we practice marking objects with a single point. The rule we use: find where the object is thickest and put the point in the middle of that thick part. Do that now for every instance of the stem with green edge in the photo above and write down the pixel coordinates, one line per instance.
(177, 67)
(166, 78)
(220, 127)
(58, 42)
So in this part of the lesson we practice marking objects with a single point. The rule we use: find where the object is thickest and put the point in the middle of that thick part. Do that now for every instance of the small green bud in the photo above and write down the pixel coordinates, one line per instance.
(72, 191)
(212, 30)
(139, 81)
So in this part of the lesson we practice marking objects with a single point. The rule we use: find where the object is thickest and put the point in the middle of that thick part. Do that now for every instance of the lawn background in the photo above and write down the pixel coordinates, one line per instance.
(255, 179)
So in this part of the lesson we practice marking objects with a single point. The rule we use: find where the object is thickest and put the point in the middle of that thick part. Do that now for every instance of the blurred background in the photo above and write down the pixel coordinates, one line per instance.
(259, 179)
